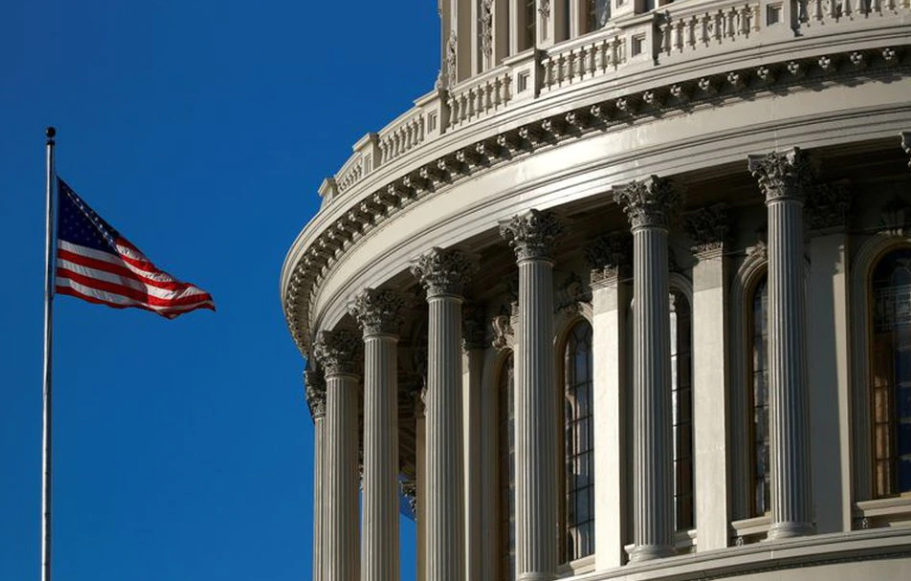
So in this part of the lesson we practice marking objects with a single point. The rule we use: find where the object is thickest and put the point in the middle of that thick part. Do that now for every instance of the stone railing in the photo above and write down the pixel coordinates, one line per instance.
(691, 28)
(402, 135)
(571, 62)
(480, 96)
(674, 35)
(811, 12)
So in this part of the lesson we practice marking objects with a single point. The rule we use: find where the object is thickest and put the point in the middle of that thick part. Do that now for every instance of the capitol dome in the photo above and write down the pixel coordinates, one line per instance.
(627, 295)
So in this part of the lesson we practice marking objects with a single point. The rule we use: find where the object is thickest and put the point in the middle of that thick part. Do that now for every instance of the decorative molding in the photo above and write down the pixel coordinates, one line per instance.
(533, 234)
(782, 176)
(503, 334)
(444, 272)
(708, 229)
(337, 351)
(571, 294)
(827, 205)
(315, 392)
(895, 217)
(649, 203)
(378, 312)
(610, 258)
(906, 143)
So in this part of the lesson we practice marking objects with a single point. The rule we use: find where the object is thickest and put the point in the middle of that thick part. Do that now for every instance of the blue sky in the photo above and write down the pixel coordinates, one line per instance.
(201, 130)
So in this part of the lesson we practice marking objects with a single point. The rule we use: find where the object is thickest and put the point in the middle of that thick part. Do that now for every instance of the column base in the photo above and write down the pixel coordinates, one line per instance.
(787, 530)
(641, 553)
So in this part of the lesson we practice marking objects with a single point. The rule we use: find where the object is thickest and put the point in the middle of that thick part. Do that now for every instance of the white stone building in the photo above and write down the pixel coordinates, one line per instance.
(626, 296)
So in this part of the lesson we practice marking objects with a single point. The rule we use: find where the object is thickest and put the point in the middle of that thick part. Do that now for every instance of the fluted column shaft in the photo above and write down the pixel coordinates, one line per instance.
(341, 555)
(340, 483)
(532, 236)
(316, 401)
(444, 274)
(649, 205)
(380, 545)
(782, 179)
(377, 312)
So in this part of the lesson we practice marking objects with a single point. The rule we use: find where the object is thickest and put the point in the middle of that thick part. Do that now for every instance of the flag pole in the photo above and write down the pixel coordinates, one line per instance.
(48, 351)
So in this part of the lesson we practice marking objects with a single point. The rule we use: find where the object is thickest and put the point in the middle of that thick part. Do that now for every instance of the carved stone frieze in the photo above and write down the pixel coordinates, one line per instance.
(378, 311)
(610, 258)
(649, 203)
(533, 234)
(337, 351)
(708, 229)
(315, 392)
(782, 175)
(444, 272)
(827, 205)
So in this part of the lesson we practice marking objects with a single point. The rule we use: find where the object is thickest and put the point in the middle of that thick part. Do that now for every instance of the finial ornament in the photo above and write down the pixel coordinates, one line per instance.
(315, 392)
(378, 312)
(444, 272)
(336, 351)
(649, 203)
(533, 234)
(782, 175)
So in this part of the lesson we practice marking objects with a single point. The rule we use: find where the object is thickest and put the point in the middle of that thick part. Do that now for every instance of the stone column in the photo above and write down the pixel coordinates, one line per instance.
(316, 401)
(782, 179)
(473, 369)
(420, 445)
(444, 274)
(532, 235)
(609, 260)
(378, 314)
(649, 205)
(336, 353)
(707, 228)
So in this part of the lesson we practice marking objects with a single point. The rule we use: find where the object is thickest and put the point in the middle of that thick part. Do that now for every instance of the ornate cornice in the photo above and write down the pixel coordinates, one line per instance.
(444, 272)
(609, 258)
(708, 229)
(337, 351)
(827, 205)
(315, 392)
(378, 311)
(311, 266)
(782, 176)
(532, 234)
(649, 203)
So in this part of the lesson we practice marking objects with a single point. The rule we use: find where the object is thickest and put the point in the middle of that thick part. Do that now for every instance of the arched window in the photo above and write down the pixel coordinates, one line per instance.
(579, 443)
(682, 394)
(507, 469)
(891, 374)
(760, 484)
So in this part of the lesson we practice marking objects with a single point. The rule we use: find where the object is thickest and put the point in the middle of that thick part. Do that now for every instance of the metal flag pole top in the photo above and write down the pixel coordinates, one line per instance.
(48, 345)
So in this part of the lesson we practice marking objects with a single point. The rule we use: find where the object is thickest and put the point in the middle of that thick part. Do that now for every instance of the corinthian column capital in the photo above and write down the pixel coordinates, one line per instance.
(532, 234)
(336, 351)
(782, 175)
(378, 312)
(444, 272)
(315, 392)
(649, 203)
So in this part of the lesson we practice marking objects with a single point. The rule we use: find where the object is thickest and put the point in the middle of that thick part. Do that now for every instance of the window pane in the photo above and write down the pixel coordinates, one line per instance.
(682, 413)
(507, 470)
(760, 399)
(579, 443)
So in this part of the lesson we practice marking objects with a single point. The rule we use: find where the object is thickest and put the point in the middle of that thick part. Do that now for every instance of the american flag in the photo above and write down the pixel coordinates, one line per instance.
(95, 263)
